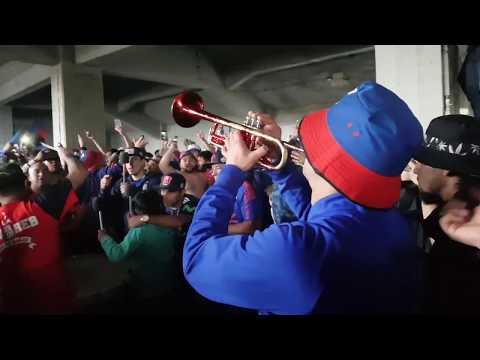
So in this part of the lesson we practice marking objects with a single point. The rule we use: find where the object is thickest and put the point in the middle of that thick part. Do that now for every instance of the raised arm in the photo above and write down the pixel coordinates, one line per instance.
(81, 143)
(76, 171)
(94, 141)
(253, 271)
(203, 139)
(126, 140)
(167, 157)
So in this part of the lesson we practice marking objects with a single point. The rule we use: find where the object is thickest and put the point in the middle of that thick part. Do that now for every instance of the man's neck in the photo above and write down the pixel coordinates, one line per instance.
(138, 176)
(321, 193)
(175, 205)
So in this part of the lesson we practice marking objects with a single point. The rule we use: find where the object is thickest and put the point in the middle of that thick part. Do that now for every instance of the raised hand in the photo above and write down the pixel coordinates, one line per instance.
(173, 145)
(119, 129)
(62, 152)
(201, 136)
(102, 235)
(140, 142)
(105, 182)
(89, 135)
(38, 157)
(298, 158)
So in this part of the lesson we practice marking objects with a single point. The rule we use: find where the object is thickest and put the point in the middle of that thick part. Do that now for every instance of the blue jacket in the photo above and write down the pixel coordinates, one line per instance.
(338, 258)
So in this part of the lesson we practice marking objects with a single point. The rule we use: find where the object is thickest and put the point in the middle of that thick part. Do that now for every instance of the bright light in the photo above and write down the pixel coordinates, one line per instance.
(26, 140)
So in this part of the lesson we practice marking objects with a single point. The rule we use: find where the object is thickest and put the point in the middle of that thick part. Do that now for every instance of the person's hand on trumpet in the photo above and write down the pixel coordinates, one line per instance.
(267, 125)
(237, 153)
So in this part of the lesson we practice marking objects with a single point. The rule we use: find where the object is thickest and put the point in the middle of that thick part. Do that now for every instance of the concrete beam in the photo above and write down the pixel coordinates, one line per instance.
(232, 105)
(6, 124)
(413, 72)
(157, 93)
(87, 53)
(44, 55)
(235, 79)
(176, 65)
(24, 83)
(11, 69)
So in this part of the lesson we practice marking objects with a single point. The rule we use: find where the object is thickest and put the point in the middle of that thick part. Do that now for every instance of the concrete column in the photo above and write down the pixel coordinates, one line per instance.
(413, 72)
(6, 124)
(77, 104)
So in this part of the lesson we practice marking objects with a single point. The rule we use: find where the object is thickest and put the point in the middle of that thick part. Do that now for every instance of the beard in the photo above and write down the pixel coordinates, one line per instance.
(430, 198)
(189, 170)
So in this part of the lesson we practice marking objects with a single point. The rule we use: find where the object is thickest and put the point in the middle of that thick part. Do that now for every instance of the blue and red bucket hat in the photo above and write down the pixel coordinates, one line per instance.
(362, 144)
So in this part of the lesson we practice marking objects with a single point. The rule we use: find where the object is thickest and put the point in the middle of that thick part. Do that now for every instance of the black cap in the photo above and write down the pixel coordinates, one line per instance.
(148, 156)
(173, 182)
(452, 142)
(135, 151)
(207, 155)
(49, 154)
(10, 174)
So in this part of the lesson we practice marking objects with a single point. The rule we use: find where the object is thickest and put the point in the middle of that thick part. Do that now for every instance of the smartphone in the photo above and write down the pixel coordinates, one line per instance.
(117, 123)
(164, 136)
(175, 139)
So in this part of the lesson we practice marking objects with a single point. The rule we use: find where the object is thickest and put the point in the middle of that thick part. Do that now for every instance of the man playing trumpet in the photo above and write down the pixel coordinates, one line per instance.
(350, 252)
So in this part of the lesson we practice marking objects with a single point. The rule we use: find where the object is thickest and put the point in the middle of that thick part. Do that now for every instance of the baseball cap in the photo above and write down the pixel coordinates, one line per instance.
(362, 144)
(172, 182)
(135, 151)
(49, 154)
(452, 142)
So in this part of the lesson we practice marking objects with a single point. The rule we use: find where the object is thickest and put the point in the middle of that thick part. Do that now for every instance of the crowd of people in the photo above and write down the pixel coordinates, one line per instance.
(370, 218)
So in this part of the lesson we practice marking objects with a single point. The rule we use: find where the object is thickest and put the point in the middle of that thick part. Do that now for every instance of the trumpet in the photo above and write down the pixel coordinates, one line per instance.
(188, 110)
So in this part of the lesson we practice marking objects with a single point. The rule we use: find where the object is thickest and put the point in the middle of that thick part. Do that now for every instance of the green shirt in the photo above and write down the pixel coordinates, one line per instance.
(150, 249)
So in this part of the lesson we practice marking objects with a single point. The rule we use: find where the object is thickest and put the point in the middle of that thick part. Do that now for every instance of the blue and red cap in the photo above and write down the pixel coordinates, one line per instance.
(362, 144)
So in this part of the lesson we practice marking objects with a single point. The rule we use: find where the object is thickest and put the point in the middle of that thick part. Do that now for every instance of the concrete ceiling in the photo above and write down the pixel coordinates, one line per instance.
(144, 78)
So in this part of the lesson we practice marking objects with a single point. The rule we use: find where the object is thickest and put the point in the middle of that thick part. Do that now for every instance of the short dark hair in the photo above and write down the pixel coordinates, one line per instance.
(207, 155)
(12, 179)
(148, 202)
